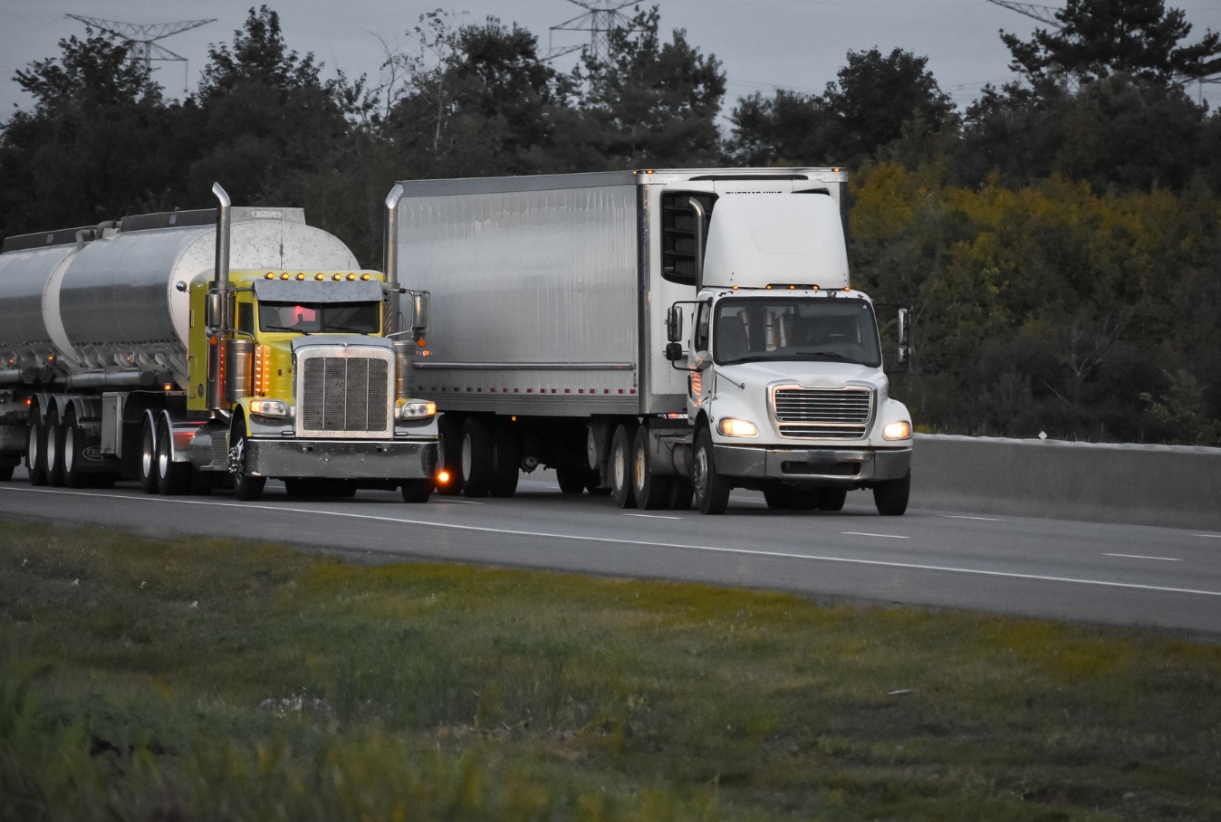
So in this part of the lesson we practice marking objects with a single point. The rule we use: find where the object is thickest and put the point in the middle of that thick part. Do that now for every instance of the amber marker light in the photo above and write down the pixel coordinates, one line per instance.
(284, 276)
(337, 277)
(421, 342)
(443, 477)
(364, 277)
(300, 276)
(846, 288)
(270, 276)
(318, 277)
(351, 277)
(168, 386)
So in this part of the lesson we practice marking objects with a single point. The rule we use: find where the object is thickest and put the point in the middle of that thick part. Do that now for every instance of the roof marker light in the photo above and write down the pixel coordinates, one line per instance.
(337, 277)
(270, 276)
(364, 276)
(284, 276)
(318, 277)
(300, 276)
(351, 277)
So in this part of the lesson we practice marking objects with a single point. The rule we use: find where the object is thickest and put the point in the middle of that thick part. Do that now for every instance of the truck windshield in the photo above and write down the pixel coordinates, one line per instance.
(758, 329)
(312, 318)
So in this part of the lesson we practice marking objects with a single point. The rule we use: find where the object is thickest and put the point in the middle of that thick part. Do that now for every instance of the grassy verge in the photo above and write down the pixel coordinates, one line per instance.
(211, 679)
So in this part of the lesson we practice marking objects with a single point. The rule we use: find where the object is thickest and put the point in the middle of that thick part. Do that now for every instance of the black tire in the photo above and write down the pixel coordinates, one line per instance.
(891, 496)
(778, 497)
(6, 472)
(35, 453)
(173, 478)
(53, 447)
(573, 478)
(681, 494)
(147, 466)
(245, 487)
(506, 463)
(104, 480)
(478, 457)
(417, 490)
(595, 487)
(451, 455)
(619, 465)
(711, 489)
(651, 491)
(832, 499)
(73, 459)
(204, 483)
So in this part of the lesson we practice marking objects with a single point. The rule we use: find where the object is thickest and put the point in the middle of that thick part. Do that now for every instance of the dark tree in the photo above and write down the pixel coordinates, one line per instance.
(786, 128)
(1099, 38)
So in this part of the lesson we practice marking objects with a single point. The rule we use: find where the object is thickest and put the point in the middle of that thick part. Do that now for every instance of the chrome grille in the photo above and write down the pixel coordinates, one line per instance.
(833, 413)
(344, 394)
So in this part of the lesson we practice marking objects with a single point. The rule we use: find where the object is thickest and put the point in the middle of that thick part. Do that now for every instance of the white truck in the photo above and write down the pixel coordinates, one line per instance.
(658, 335)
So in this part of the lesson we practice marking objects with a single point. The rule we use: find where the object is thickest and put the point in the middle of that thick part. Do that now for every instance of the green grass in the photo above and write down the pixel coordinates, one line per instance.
(213, 679)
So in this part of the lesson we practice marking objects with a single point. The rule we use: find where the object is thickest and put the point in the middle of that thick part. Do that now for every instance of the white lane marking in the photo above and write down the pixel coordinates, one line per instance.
(651, 516)
(1138, 556)
(452, 501)
(1208, 536)
(578, 538)
(866, 534)
(981, 519)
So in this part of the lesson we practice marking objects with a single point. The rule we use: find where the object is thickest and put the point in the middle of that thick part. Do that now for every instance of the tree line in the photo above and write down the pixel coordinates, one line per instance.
(1058, 238)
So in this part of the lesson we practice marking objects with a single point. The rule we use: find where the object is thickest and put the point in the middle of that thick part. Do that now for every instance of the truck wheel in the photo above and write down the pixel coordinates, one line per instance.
(594, 486)
(74, 444)
(245, 487)
(681, 494)
(173, 478)
(711, 489)
(148, 457)
(621, 466)
(832, 499)
(53, 447)
(651, 491)
(35, 459)
(779, 497)
(891, 496)
(572, 478)
(451, 455)
(478, 457)
(506, 462)
(417, 490)
(6, 472)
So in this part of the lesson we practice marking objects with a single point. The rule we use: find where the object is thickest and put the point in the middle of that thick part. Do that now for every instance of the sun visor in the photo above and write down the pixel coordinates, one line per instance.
(315, 291)
(758, 239)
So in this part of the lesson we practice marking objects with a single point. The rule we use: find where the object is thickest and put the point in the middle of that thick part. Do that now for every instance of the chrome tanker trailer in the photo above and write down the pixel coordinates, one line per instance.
(130, 350)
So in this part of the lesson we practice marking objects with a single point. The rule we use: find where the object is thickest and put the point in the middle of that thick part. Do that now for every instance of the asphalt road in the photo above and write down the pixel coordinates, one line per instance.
(1091, 572)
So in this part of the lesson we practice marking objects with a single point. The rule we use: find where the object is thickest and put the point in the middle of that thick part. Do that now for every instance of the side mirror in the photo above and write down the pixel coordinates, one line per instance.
(419, 311)
(212, 310)
(674, 351)
(904, 336)
(674, 325)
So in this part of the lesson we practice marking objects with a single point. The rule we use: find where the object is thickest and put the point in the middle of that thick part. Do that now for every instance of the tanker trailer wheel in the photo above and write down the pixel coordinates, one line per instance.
(651, 491)
(621, 465)
(572, 478)
(245, 487)
(148, 457)
(53, 447)
(35, 459)
(711, 489)
(74, 445)
(478, 457)
(451, 455)
(891, 496)
(173, 478)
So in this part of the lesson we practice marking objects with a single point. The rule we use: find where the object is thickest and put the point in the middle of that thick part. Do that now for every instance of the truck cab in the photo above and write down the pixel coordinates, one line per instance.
(785, 390)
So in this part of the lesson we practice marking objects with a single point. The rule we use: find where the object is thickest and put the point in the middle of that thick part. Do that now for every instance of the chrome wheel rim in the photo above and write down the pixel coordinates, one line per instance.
(146, 452)
(163, 457)
(69, 447)
(620, 467)
(31, 449)
(467, 457)
(52, 436)
(638, 465)
(699, 472)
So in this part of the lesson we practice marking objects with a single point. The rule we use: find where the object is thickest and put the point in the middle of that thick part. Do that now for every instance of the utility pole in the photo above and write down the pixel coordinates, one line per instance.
(601, 17)
(142, 39)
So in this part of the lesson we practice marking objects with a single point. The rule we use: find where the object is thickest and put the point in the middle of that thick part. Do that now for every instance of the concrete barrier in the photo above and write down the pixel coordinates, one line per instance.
(1163, 485)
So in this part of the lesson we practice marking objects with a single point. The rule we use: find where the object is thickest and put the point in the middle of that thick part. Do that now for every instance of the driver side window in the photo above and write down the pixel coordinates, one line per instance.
(704, 315)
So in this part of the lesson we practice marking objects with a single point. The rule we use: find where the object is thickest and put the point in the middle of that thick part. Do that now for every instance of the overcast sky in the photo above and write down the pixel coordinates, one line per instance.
(762, 44)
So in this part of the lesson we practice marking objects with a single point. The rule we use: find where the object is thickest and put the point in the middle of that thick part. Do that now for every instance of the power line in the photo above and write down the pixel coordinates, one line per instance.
(142, 40)
(601, 17)
(1044, 14)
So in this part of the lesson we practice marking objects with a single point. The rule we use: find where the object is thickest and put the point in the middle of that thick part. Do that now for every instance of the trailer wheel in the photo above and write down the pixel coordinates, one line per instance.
(478, 457)
(74, 444)
(506, 462)
(6, 472)
(417, 490)
(173, 478)
(651, 491)
(451, 455)
(54, 449)
(711, 489)
(621, 465)
(35, 459)
(245, 487)
(573, 478)
(891, 496)
(148, 457)
(594, 485)
(832, 499)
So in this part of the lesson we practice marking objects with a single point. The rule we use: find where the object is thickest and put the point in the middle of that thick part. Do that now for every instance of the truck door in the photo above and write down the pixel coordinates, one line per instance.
(699, 350)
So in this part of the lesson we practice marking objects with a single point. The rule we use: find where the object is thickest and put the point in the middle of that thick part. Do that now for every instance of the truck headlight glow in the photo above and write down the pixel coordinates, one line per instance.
(733, 427)
(414, 410)
(269, 408)
(900, 430)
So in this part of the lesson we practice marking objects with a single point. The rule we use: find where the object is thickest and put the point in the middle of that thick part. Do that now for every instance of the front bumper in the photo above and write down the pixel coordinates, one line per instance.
(342, 459)
(846, 466)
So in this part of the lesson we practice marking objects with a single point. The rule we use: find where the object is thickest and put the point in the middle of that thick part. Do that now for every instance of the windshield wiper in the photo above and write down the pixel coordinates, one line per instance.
(277, 328)
(828, 354)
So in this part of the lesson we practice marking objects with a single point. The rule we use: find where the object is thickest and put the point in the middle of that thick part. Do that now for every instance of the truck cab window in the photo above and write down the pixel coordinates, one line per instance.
(701, 326)
(321, 318)
(754, 329)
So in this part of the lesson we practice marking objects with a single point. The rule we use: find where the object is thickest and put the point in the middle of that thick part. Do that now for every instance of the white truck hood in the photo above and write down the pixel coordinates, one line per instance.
(812, 374)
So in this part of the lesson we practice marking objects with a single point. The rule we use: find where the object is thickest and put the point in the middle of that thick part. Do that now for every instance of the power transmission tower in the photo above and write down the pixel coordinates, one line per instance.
(601, 17)
(142, 39)
(1044, 14)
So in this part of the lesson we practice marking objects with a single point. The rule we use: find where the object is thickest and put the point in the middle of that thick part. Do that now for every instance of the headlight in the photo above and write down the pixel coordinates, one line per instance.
(900, 430)
(732, 427)
(269, 408)
(414, 410)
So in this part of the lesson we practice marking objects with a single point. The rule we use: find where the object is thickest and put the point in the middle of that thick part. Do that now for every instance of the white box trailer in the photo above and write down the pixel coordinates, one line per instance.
(558, 303)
